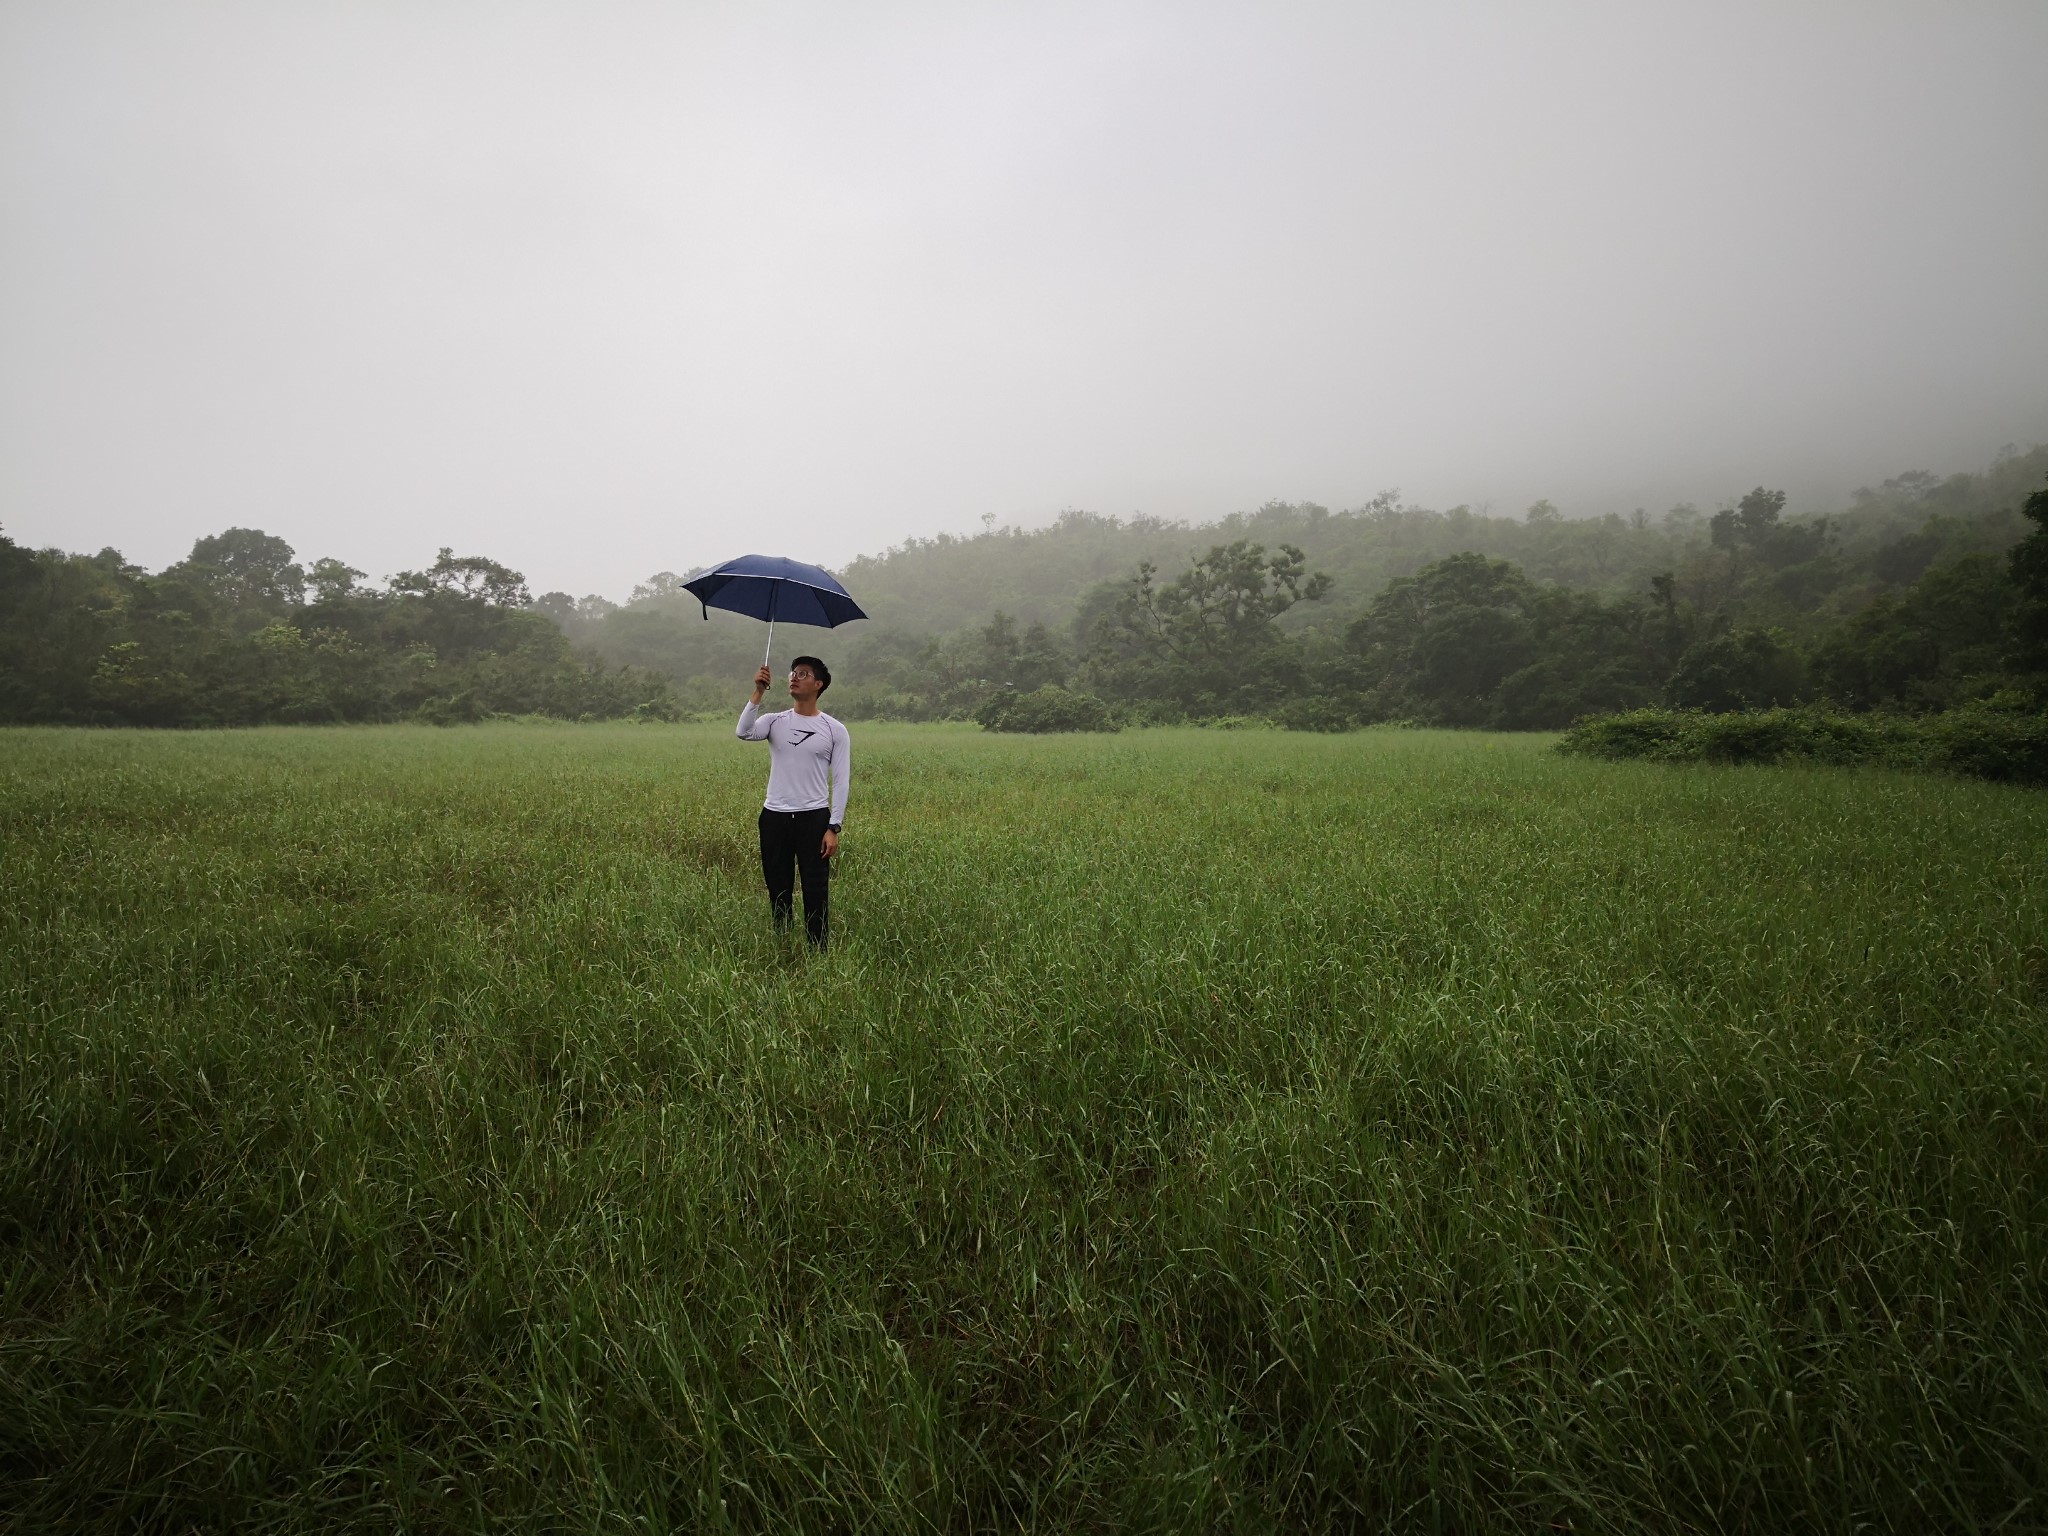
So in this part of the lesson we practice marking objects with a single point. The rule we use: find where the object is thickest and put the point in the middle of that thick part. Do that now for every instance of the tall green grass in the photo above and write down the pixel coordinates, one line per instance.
(423, 1130)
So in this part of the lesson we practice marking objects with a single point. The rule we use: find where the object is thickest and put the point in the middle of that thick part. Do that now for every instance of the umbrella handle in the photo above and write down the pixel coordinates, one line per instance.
(771, 643)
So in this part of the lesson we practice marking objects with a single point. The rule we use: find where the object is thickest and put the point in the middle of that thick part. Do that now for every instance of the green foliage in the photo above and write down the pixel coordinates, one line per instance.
(1752, 528)
(1990, 739)
(950, 677)
(1027, 661)
(1067, 578)
(1207, 640)
(947, 583)
(1443, 640)
(1906, 600)
(248, 570)
(1667, 581)
(1470, 641)
(1312, 712)
(1749, 669)
(467, 576)
(1980, 740)
(2029, 619)
(1761, 736)
(1929, 647)
(233, 636)
(413, 1130)
(1044, 711)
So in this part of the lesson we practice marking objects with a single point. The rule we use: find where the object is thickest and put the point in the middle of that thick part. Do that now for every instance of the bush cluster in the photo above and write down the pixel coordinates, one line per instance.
(1046, 710)
(1986, 740)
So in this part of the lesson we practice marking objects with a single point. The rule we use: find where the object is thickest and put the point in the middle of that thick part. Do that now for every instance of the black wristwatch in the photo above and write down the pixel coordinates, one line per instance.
(832, 827)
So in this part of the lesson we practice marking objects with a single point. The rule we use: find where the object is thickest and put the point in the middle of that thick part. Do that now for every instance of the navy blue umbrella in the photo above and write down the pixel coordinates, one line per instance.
(770, 587)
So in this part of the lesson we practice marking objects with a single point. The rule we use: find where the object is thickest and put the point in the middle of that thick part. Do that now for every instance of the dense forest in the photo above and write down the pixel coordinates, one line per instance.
(1923, 593)
(1906, 600)
(241, 633)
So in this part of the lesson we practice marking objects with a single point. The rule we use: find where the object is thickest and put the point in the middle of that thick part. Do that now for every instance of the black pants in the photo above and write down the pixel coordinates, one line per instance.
(797, 836)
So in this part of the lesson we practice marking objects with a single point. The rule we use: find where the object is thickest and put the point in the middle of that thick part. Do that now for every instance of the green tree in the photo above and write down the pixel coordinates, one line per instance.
(333, 581)
(1925, 649)
(2028, 564)
(1753, 527)
(999, 649)
(1208, 639)
(1471, 641)
(1590, 657)
(228, 637)
(1749, 669)
(248, 570)
(1041, 660)
(1436, 645)
(468, 576)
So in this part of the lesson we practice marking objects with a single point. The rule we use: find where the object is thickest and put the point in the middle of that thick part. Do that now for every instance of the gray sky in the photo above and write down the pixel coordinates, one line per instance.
(601, 289)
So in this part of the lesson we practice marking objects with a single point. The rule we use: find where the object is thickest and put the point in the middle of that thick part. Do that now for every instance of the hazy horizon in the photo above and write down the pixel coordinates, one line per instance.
(604, 290)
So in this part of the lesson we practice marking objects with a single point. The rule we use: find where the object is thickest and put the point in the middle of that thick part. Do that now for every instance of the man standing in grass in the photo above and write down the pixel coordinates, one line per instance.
(800, 820)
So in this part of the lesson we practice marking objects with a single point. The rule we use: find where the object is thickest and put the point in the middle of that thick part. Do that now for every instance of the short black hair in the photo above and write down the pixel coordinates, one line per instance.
(819, 670)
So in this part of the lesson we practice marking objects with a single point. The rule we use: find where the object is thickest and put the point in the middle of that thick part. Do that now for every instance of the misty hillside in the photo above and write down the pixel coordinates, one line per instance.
(1903, 600)
(929, 586)
(1060, 578)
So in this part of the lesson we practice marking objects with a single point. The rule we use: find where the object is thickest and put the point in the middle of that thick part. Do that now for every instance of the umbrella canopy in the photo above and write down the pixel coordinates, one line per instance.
(778, 590)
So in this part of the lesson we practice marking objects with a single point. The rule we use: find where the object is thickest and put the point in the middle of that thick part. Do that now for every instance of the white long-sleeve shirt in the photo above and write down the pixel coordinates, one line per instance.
(805, 753)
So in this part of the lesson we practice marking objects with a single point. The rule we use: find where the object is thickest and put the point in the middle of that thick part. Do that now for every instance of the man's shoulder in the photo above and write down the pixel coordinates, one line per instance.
(833, 722)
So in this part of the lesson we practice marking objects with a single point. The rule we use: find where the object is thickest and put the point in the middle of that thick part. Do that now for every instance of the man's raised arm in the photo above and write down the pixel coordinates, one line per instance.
(751, 728)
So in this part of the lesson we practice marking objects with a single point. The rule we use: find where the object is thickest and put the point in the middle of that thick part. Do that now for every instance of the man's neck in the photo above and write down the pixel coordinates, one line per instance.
(805, 706)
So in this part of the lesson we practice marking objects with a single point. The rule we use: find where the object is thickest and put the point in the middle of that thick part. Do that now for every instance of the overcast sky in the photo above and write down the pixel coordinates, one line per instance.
(603, 289)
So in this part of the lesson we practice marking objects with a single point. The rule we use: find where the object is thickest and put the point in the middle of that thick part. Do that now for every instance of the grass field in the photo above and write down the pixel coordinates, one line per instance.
(1188, 1130)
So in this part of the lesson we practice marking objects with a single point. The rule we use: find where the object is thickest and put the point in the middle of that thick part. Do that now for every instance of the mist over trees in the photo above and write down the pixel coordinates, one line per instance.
(1903, 600)
(1922, 594)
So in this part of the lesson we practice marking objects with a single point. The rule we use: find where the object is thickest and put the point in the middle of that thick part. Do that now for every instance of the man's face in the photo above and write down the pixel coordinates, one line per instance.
(803, 684)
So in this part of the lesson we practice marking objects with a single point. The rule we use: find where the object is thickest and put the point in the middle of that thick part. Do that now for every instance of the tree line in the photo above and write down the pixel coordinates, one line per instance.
(1913, 599)
(241, 633)
(1471, 640)
(1899, 601)
(1923, 595)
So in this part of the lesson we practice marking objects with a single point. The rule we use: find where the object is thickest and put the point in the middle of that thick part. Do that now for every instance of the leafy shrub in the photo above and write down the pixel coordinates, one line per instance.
(1982, 741)
(1776, 735)
(1319, 712)
(1045, 710)
(1657, 734)
(1988, 742)
(460, 708)
(1153, 712)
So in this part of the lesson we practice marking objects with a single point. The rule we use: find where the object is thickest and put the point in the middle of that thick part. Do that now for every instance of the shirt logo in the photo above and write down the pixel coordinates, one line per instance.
(801, 737)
